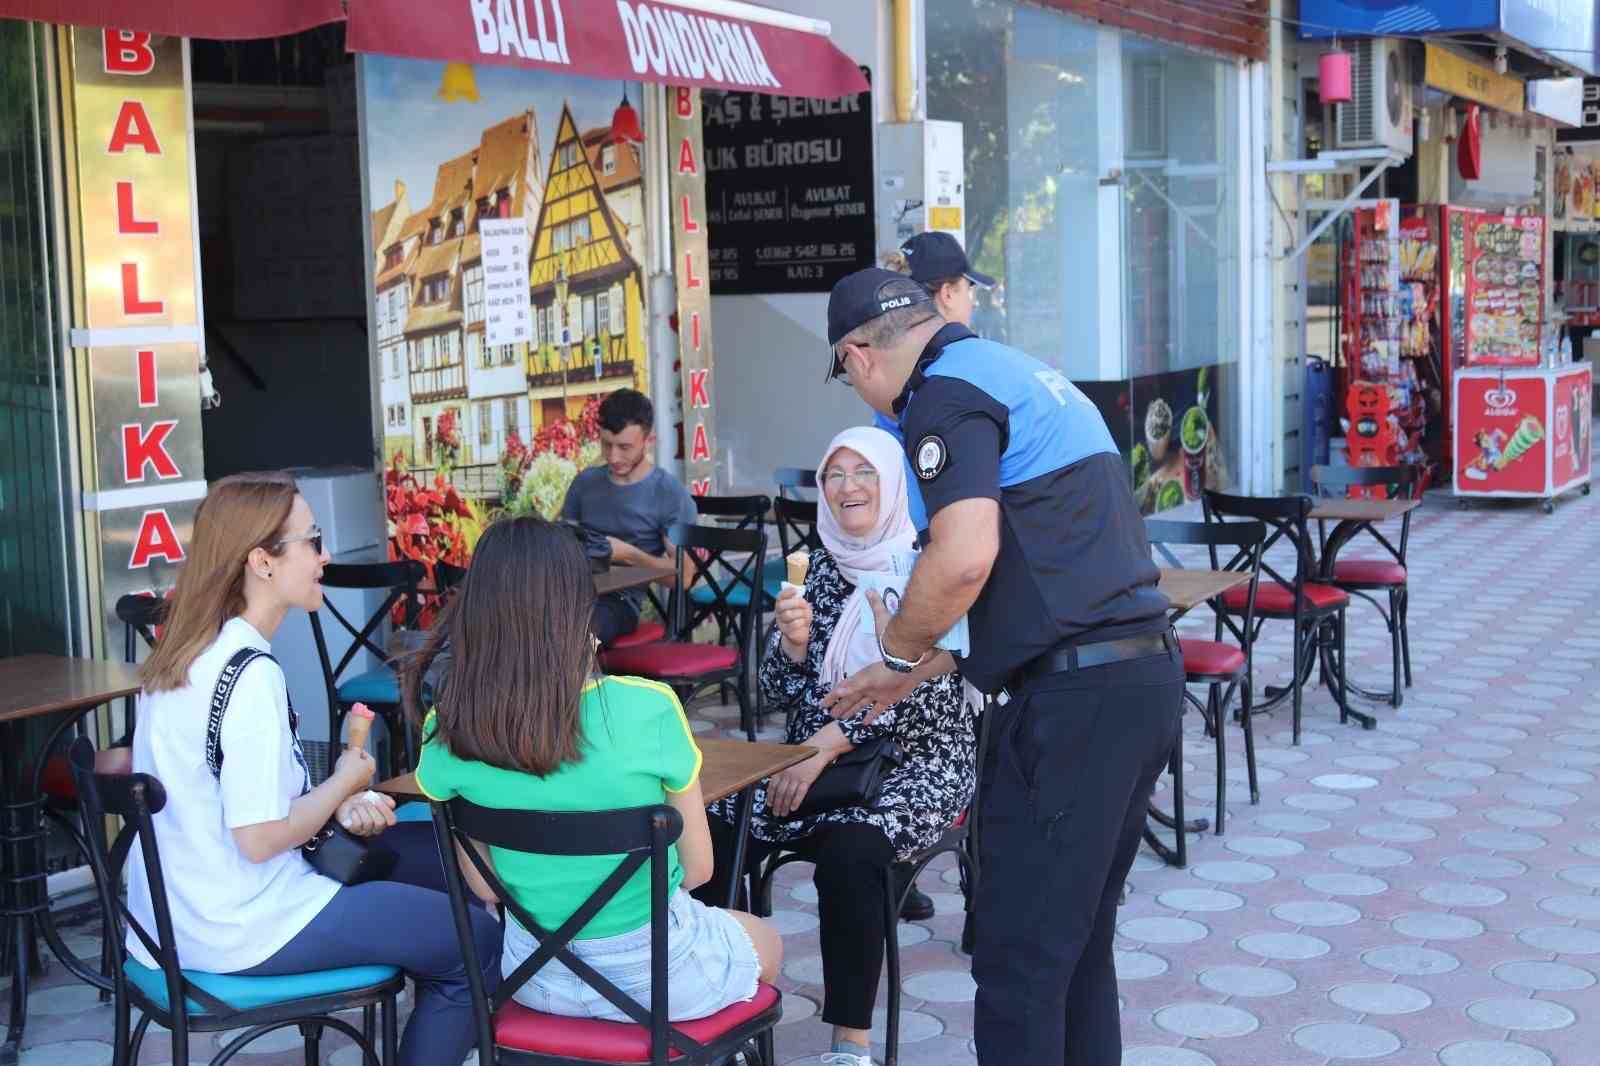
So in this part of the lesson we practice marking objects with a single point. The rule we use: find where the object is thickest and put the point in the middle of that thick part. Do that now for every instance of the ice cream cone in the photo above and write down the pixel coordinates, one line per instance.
(1529, 432)
(360, 725)
(799, 562)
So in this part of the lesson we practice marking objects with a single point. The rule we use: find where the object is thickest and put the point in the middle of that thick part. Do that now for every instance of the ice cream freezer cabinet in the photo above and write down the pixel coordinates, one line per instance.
(1523, 431)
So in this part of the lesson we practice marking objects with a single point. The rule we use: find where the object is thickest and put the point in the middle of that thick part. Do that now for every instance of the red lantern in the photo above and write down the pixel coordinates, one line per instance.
(625, 122)
(1469, 148)
(1333, 77)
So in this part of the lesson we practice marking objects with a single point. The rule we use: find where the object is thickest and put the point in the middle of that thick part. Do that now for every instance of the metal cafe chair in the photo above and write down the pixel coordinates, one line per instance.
(728, 563)
(378, 687)
(210, 1002)
(1367, 578)
(1312, 605)
(792, 481)
(1222, 666)
(509, 1034)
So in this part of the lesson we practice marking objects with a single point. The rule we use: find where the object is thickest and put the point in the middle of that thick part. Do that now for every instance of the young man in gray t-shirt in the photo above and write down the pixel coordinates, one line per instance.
(631, 500)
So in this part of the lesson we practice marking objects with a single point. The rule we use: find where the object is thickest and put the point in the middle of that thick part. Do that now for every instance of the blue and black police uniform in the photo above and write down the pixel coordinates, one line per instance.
(1071, 625)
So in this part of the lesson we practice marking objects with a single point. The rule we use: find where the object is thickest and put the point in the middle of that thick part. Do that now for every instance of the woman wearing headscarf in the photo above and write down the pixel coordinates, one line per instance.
(823, 636)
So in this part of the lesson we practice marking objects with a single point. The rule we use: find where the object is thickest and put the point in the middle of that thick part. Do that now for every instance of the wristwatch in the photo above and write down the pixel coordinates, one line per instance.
(897, 664)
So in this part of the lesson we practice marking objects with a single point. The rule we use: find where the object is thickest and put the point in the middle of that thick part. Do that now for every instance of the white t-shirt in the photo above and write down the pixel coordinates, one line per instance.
(228, 913)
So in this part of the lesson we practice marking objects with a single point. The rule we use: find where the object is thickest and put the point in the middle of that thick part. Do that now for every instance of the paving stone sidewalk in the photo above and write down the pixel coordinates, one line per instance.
(1420, 894)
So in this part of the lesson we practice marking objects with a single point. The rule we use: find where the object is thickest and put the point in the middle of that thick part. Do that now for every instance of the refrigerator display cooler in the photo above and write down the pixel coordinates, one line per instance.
(1523, 432)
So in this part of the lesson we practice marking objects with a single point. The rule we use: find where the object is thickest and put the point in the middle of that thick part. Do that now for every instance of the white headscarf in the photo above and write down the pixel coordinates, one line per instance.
(854, 643)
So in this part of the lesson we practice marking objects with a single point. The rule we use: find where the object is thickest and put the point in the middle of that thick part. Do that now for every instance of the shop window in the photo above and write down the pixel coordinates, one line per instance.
(1103, 192)
(618, 311)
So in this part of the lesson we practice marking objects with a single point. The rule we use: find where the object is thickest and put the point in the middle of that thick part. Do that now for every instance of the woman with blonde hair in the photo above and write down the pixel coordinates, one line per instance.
(244, 900)
(937, 262)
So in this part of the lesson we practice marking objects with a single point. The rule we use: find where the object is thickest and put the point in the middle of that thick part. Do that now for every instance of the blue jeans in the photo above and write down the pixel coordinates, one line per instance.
(358, 928)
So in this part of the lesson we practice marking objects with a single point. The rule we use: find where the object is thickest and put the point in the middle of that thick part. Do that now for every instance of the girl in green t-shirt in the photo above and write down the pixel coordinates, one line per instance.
(523, 720)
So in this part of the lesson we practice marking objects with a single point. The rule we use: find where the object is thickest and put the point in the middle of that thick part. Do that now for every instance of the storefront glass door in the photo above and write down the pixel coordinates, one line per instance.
(35, 597)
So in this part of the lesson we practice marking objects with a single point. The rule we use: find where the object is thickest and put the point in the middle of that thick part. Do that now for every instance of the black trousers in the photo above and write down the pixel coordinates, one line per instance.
(1067, 777)
(849, 864)
(614, 615)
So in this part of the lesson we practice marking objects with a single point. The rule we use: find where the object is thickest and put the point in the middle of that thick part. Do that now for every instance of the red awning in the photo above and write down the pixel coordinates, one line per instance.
(227, 20)
(674, 41)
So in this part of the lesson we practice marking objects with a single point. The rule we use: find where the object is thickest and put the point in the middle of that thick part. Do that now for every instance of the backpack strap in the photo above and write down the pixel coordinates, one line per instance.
(219, 703)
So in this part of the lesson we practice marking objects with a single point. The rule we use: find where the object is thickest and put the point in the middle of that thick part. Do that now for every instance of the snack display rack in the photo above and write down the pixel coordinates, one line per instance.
(1387, 310)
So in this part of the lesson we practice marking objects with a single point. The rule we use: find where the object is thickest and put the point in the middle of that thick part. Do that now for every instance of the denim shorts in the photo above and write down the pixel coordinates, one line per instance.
(711, 964)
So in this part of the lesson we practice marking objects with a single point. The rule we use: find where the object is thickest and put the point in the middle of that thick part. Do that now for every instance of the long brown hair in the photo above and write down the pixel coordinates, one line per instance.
(240, 513)
(518, 633)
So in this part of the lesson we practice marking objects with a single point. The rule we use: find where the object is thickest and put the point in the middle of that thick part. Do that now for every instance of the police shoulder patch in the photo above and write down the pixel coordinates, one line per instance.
(931, 457)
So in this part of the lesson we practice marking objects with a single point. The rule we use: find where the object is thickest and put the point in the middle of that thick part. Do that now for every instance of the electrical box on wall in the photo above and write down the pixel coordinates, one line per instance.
(921, 181)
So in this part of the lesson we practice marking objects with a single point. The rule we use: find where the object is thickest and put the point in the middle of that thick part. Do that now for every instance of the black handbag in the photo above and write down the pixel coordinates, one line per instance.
(855, 779)
(334, 851)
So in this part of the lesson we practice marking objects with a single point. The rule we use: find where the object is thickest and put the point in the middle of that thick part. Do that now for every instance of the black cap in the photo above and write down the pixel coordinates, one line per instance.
(934, 255)
(865, 295)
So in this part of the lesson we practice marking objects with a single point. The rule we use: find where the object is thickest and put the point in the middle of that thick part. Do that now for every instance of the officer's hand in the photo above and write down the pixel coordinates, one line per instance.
(877, 688)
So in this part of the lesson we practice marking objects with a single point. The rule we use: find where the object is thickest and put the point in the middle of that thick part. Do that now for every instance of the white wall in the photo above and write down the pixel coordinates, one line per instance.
(773, 406)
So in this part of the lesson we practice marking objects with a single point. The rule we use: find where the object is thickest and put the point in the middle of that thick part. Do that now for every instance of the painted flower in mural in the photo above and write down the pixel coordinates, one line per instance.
(429, 523)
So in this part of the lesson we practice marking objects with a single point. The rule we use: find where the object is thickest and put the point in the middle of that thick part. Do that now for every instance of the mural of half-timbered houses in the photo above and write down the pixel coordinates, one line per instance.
(505, 185)
(438, 380)
(595, 342)
(397, 235)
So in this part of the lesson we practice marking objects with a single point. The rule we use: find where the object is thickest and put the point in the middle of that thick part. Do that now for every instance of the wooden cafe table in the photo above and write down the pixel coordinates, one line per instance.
(729, 767)
(32, 686)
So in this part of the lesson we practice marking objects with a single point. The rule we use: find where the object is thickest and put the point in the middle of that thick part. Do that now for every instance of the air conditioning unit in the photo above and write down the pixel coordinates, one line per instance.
(1379, 112)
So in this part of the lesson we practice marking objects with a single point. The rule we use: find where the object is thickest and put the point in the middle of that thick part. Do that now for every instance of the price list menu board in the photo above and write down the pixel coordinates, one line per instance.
(788, 191)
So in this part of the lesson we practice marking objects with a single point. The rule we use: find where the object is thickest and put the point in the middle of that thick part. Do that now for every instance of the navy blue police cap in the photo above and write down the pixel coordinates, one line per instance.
(863, 296)
(934, 256)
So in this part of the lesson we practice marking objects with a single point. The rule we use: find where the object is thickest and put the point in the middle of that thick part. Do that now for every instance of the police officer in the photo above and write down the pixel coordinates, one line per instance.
(1029, 527)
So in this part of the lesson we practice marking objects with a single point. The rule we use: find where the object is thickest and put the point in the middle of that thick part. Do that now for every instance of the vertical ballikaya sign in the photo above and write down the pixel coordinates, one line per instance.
(691, 265)
(137, 315)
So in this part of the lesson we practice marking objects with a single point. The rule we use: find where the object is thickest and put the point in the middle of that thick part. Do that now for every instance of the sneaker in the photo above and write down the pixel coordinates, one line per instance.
(845, 1058)
(917, 906)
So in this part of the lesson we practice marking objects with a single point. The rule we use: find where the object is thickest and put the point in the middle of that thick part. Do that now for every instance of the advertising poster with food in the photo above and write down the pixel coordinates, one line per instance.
(1574, 426)
(1177, 451)
(1502, 435)
(1505, 290)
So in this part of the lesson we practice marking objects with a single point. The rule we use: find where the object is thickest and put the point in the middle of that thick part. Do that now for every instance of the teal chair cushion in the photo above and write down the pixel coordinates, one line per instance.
(413, 812)
(374, 686)
(249, 993)
(738, 596)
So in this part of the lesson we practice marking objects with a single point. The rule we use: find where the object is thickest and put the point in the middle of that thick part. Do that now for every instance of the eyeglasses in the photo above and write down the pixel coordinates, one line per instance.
(866, 477)
(313, 535)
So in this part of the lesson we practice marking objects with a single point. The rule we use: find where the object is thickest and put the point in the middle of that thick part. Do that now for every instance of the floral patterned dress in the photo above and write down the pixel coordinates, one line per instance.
(934, 726)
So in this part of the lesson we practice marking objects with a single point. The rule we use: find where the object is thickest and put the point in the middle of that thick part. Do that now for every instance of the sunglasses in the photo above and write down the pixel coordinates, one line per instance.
(836, 367)
(313, 535)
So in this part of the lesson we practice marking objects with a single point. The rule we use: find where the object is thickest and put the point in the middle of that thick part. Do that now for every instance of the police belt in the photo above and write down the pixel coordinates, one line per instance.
(1067, 658)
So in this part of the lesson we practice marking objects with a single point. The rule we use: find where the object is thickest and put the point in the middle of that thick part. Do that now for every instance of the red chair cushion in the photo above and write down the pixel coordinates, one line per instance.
(521, 1029)
(1210, 657)
(1369, 572)
(670, 659)
(647, 633)
(1273, 598)
(56, 781)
